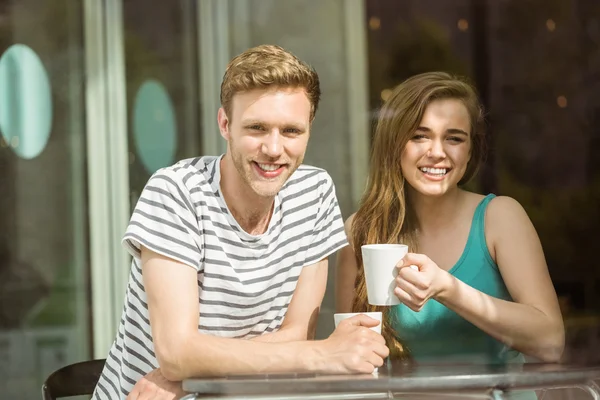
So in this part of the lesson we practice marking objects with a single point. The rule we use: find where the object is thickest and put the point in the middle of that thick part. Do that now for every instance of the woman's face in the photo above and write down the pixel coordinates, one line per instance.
(436, 155)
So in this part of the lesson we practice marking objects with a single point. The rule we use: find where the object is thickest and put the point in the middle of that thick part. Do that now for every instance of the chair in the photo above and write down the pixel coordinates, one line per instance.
(73, 380)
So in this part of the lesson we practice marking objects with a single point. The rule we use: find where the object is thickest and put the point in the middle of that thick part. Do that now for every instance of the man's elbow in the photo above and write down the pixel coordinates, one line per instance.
(171, 371)
(170, 355)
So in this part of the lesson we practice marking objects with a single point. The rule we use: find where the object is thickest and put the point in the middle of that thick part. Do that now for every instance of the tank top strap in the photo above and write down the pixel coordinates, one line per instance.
(479, 225)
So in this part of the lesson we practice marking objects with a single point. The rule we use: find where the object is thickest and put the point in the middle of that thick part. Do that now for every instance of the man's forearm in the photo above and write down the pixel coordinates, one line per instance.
(205, 355)
(281, 336)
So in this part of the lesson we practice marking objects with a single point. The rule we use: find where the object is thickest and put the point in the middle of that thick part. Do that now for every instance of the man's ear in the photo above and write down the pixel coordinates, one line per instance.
(223, 122)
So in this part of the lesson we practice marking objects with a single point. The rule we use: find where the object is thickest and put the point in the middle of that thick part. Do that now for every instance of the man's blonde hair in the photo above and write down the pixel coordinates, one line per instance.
(267, 66)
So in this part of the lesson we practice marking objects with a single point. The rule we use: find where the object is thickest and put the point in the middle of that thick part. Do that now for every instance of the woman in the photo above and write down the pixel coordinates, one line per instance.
(482, 292)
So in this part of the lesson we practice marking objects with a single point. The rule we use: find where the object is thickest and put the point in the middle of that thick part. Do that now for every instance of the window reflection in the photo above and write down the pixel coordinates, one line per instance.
(26, 103)
(536, 64)
(44, 267)
(154, 127)
(161, 63)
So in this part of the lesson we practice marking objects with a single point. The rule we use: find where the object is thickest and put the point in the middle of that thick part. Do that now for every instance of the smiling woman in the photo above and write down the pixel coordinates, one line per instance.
(436, 156)
(481, 293)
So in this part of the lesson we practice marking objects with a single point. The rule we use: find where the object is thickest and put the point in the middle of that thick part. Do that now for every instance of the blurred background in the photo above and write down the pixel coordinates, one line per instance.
(95, 95)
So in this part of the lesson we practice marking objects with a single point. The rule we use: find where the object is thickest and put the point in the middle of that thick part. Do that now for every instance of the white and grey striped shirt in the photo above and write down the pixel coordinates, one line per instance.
(245, 282)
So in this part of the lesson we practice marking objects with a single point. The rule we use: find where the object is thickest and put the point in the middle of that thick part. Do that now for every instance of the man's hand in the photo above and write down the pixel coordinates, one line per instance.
(156, 387)
(354, 348)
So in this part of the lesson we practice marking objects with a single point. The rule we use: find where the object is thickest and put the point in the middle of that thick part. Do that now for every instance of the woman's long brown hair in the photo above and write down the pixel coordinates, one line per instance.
(385, 214)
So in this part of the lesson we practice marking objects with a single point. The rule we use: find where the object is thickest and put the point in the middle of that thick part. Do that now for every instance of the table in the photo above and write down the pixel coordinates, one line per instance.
(489, 381)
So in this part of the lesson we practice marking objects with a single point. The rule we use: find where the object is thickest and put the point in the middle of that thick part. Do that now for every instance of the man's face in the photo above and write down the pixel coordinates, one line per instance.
(267, 134)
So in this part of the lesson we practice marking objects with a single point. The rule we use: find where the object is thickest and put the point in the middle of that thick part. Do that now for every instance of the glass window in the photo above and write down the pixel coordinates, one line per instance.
(161, 64)
(44, 269)
(536, 65)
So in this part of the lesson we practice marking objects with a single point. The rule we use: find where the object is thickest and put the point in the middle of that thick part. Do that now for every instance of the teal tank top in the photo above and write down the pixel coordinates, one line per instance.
(438, 334)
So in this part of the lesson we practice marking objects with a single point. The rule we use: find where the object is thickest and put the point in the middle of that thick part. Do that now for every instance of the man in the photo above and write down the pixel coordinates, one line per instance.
(230, 253)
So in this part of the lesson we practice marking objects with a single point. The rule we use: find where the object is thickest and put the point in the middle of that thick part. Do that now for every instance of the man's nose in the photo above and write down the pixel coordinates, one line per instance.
(272, 145)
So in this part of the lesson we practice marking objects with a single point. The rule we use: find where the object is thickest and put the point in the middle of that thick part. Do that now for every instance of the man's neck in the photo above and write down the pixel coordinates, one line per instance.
(252, 212)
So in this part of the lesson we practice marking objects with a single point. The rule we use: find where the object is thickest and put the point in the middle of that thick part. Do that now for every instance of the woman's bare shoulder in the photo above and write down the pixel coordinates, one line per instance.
(348, 227)
(502, 207)
(505, 215)
(349, 220)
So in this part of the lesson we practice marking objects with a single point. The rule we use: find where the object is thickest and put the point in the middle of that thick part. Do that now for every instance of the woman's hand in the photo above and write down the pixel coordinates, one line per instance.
(419, 279)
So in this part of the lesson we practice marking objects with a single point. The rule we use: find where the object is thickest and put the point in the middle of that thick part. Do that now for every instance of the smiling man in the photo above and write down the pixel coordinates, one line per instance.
(230, 253)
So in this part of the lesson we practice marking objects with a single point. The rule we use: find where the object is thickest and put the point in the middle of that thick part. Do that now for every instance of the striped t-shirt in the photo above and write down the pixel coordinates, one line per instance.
(245, 282)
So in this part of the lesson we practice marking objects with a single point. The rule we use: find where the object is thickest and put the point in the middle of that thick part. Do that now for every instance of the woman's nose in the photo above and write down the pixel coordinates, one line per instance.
(436, 150)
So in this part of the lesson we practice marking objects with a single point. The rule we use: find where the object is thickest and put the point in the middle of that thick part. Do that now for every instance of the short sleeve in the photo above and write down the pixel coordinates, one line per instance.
(164, 220)
(328, 235)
